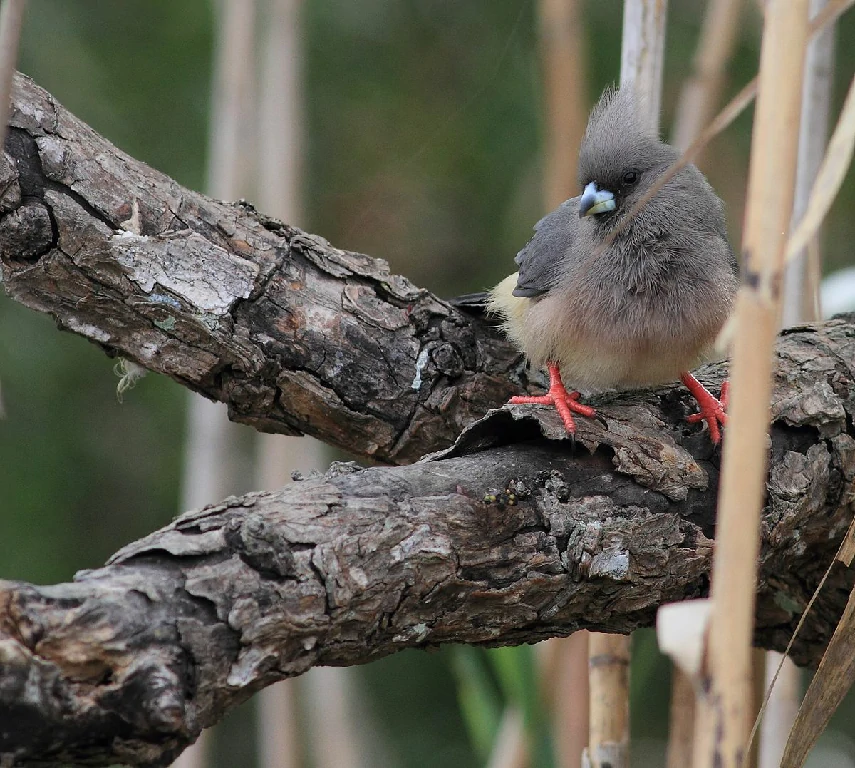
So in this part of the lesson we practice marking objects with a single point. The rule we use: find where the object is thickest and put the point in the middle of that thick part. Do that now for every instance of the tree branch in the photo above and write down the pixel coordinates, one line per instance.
(488, 543)
(293, 334)
(512, 535)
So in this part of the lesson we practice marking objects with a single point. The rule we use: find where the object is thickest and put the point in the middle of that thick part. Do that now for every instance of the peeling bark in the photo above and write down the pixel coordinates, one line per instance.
(293, 334)
(510, 535)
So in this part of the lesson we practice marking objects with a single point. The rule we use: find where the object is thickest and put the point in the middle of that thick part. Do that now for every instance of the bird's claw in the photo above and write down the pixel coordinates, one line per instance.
(566, 403)
(711, 410)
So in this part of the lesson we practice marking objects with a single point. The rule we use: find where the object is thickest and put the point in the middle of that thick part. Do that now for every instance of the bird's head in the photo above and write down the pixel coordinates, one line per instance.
(619, 158)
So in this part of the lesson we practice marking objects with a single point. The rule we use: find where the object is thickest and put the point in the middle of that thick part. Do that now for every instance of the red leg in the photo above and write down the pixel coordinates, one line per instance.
(566, 403)
(712, 411)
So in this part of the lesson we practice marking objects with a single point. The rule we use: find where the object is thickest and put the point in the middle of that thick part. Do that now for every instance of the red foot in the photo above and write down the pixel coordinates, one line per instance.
(712, 411)
(566, 403)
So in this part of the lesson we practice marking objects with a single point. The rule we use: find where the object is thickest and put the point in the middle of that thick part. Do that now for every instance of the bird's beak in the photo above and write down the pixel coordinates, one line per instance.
(595, 201)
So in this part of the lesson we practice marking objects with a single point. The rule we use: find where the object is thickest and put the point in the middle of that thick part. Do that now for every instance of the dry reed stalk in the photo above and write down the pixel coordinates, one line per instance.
(722, 718)
(11, 21)
(699, 99)
(801, 289)
(563, 58)
(334, 726)
(232, 99)
(780, 711)
(277, 726)
(758, 689)
(609, 657)
(801, 303)
(702, 91)
(722, 120)
(681, 723)
(570, 702)
(834, 677)
(642, 54)
(326, 693)
(280, 113)
(832, 171)
(278, 182)
(209, 449)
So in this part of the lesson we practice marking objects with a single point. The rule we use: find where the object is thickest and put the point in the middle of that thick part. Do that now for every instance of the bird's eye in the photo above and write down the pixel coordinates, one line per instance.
(630, 177)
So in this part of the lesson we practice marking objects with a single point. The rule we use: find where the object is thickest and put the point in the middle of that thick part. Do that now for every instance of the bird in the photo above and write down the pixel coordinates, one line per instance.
(605, 300)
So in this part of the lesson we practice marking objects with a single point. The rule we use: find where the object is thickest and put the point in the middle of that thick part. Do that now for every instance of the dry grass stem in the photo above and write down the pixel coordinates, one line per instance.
(280, 113)
(642, 53)
(830, 177)
(722, 732)
(701, 92)
(781, 710)
(233, 95)
(829, 14)
(563, 55)
(278, 731)
(681, 723)
(326, 693)
(833, 678)
(801, 303)
(801, 288)
(210, 446)
(608, 745)
(845, 553)
(570, 702)
(728, 114)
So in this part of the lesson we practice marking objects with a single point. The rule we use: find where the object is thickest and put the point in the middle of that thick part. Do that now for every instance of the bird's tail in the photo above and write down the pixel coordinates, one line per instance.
(472, 303)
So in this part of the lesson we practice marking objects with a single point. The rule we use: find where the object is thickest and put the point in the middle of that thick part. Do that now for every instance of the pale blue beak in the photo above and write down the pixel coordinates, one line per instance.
(594, 201)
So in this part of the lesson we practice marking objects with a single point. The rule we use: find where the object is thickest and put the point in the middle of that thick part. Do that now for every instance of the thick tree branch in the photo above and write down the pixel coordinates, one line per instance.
(293, 334)
(510, 536)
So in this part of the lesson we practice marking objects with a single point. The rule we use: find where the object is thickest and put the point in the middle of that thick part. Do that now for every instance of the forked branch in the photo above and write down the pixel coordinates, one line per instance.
(512, 536)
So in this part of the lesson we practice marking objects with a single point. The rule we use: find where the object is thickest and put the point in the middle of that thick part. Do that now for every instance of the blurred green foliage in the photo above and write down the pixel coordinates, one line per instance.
(423, 146)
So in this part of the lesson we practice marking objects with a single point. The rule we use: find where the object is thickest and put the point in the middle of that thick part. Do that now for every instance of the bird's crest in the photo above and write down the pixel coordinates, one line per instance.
(616, 136)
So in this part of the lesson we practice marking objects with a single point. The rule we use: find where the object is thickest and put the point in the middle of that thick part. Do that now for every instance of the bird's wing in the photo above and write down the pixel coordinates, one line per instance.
(539, 260)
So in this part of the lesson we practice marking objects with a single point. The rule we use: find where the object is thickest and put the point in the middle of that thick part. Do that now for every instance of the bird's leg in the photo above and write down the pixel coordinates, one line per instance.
(712, 411)
(566, 403)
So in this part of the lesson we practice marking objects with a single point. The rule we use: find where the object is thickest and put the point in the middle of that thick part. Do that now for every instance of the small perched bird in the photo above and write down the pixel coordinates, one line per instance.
(641, 310)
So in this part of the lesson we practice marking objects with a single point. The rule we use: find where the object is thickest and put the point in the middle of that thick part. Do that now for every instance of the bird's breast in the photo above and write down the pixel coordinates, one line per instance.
(614, 335)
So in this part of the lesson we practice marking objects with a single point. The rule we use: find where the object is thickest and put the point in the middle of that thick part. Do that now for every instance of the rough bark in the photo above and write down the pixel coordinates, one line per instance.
(511, 535)
(293, 334)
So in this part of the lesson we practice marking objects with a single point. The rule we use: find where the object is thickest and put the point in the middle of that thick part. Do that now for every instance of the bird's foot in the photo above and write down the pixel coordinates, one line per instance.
(566, 403)
(713, 411)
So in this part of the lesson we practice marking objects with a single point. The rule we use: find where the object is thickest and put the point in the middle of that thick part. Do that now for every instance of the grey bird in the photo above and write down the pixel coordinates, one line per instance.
(642, 310)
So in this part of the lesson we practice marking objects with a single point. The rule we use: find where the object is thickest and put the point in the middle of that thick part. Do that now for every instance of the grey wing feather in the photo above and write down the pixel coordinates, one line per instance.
(539, 260)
